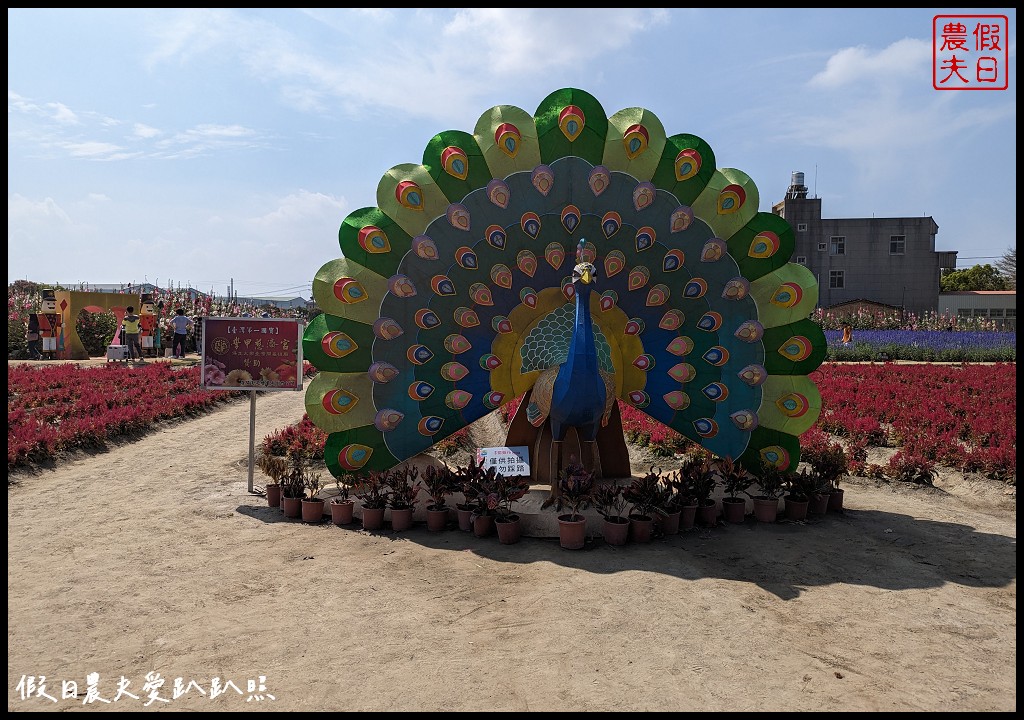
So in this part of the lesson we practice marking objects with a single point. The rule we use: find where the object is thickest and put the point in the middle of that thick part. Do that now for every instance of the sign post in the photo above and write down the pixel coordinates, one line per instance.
(509, 461)
(241, 353)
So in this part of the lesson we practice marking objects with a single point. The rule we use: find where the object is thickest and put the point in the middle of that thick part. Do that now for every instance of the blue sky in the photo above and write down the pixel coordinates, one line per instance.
(199, 146)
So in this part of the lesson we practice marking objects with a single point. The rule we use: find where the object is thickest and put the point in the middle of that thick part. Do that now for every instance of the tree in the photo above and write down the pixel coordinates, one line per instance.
(1007, 267)
(979, 277)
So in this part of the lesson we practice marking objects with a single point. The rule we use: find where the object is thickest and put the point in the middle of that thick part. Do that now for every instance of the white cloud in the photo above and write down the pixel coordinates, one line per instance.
(21, 210)
(92, 149)
(303, 206)
(62, 114)
(907, 58)
(436, 64)
(145, 131)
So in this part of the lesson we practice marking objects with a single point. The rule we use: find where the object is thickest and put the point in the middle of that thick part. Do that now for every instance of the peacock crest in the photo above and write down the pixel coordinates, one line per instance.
(457, 291)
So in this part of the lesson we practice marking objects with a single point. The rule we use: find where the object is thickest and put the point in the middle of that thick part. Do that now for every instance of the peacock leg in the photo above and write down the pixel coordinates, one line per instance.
(554, 470)
(595, 458)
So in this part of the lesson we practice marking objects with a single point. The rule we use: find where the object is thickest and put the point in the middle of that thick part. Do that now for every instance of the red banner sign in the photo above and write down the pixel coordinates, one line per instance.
(253, 353)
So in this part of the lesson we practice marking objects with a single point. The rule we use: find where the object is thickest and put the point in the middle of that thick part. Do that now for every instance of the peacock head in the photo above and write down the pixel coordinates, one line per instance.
(584, 271)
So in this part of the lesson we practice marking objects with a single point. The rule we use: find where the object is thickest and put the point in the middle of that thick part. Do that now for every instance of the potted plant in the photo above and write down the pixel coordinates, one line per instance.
(669, 511)
(575, 493)
(772, 483)
(609, 501)
(342, 504)
(820, 494)
(293, 487)
(735, 480)
(831, 463)
(373, 495)
(799, 486)
(700, 477)
(274, 467)
(647, 495)
(683, 497)
(481, 492)
(439, 482)
(468, 479)
(312, 503)
(508, 488)
(403, 491)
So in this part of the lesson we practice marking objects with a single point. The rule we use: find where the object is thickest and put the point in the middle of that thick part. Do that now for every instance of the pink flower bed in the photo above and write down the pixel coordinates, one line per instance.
(961, 416)
(57, 408)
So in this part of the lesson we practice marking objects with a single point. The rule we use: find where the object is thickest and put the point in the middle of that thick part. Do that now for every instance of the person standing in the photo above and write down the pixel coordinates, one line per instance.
(197, 334)
(132, 330)
(181, 324)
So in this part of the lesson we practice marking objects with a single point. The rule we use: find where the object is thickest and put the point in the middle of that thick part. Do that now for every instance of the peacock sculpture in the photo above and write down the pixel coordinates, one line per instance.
(575, 261)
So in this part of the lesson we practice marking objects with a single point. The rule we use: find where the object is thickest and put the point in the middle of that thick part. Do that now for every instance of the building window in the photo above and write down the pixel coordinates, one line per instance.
(1011, 312)
(802, 259)
(897, 244)
(822, 246)
(837, 245)
(837, 279)
(963, 313)
(995, 313)
(801, 227)
(980, 312)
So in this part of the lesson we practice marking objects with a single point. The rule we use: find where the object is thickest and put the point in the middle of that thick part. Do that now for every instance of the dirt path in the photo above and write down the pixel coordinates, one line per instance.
(153, 558)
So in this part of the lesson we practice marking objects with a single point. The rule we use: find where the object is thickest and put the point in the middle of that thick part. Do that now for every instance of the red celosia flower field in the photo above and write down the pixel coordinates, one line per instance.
(961, 416)
(56, 408)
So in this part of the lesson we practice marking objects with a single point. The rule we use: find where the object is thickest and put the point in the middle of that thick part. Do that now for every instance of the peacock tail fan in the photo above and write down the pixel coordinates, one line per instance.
(455, 293)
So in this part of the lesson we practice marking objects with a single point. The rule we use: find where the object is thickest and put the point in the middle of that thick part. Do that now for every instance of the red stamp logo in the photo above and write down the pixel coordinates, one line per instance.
(970, 52)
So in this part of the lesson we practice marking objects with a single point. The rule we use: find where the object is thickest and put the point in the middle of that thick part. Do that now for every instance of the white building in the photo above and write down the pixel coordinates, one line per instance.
(999, 306)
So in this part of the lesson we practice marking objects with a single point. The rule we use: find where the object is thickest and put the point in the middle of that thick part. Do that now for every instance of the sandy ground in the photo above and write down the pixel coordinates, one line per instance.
(152, 559)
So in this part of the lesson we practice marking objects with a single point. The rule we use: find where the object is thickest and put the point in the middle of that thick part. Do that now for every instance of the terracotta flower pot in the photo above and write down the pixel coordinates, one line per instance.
(615, 530)
(437, 518)
(819, 504)
(835, 500)
(669, 523)
(572, 531)
(292, 507)
(465, 517)
(641, 528)
(312, 510)
(373, 518)
(796, 509)
(274, 495)
(341, 512)
(483, 525)
(766, 509)
(707, 513)
(734, 510)
(509, 529)
(401, 519)
(688, 517)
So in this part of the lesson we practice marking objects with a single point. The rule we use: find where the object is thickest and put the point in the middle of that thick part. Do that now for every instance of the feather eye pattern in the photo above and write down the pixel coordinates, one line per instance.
(455, 293)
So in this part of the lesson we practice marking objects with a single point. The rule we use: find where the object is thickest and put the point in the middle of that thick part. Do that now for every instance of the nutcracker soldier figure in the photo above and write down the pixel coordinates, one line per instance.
(51, 332)
(148, 326)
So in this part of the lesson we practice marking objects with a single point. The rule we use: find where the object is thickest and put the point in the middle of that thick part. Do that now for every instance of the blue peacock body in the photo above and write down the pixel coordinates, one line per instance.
(459, 292)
